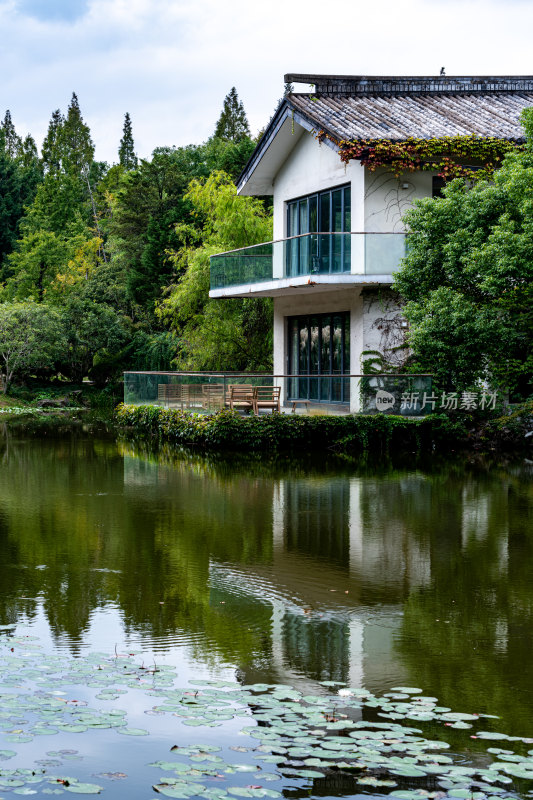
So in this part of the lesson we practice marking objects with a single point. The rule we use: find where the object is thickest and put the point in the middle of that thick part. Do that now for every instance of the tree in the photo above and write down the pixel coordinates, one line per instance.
(51, 157)
(31, 337)
(126, 151)
(12, 141)
(75, 145)
(91, 329)
(468, 278)
(19, 178)
(38, 258)
(231, 334)
(232, 125)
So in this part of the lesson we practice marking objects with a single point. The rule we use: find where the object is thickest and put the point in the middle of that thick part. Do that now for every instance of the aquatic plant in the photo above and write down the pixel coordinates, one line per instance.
(391, 744)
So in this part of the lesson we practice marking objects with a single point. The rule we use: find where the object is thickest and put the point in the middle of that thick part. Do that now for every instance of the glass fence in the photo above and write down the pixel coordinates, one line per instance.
(208, 392)
(309, 254)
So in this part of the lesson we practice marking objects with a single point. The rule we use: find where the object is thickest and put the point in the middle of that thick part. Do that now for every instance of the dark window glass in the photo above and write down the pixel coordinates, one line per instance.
(313, 214)
(336, 210)
(293, 219)
(438, 185)
(347, 223)
(319, 345)
(304, 223)
(325, 212)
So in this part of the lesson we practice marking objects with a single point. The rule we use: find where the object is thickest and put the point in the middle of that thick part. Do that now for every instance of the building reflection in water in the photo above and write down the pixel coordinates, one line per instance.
(336, 583)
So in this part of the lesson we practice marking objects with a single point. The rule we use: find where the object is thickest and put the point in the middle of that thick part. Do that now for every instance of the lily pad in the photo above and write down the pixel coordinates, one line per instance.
(132, 731)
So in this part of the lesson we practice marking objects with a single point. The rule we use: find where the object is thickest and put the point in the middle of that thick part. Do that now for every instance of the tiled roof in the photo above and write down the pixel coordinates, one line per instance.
(423, 116)
(356, 107)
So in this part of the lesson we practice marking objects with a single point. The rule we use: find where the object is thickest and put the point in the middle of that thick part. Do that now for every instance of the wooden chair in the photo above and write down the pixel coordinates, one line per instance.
(266, 397)
(241, 396)
(169, 394)
(213, 395)
(191, 395)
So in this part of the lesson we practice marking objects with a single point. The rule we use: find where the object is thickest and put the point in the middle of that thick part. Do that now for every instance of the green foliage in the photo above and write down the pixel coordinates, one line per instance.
(11, 139)
(50, 150)
(152, 351)
(271, 433)
(75, 146)
(65, 194)
(147, 206)
(31, 337)
(126, 151)
(20, 174)
(102, 245)
(468, 278)
(92, 330)
(18, 184)
(219, 334)
(39, 257)
(232, 125)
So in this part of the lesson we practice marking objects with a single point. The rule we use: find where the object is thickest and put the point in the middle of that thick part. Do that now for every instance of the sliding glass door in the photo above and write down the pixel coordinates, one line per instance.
(319, 349)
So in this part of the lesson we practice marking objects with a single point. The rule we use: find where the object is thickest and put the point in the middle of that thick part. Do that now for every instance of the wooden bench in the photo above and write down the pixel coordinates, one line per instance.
(266, 397)
(240, 395)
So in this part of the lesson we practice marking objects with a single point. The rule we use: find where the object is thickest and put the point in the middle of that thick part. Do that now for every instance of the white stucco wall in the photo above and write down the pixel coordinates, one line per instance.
(387, 198)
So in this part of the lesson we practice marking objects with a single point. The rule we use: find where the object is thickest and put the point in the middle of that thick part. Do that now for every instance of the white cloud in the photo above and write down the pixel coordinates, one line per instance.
(171, 62)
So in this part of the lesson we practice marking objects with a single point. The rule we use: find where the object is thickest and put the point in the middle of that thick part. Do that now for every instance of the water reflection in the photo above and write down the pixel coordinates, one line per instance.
(287, 574)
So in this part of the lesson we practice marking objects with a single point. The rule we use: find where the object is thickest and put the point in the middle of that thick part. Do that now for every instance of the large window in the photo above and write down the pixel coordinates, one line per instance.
(319, 215)
(319, 348)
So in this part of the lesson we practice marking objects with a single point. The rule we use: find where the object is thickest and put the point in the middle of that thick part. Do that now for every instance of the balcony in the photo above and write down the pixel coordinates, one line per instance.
(312, 258)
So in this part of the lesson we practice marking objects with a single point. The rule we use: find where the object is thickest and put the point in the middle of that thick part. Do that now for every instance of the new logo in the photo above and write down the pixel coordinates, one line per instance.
(384, 400)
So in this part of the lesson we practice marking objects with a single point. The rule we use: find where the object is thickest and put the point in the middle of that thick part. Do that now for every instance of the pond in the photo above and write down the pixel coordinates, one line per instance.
(184, 626)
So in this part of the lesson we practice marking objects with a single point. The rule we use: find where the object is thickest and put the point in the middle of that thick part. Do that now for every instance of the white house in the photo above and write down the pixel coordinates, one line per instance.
(338, 230)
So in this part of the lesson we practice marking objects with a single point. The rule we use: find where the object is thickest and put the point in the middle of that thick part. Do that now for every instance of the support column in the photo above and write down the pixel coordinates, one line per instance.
(356, 350)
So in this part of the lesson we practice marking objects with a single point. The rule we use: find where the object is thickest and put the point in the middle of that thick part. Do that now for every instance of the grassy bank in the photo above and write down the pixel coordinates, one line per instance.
(227, 430)
(38, 398)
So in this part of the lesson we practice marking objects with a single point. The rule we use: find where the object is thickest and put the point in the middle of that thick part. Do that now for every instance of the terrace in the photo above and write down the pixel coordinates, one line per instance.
(324, 393)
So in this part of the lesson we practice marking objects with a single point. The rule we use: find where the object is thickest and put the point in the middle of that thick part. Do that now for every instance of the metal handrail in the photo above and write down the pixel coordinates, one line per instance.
(311, 233)
(222, 374)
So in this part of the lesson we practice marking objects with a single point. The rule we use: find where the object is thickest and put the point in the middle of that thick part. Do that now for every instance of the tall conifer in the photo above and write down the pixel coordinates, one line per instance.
(12, 141)
(232, 125)
(76, 145)
(126, 151)
(51, 157)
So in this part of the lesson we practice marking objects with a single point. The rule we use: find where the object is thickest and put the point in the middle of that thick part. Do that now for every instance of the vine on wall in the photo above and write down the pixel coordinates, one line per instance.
(446, 156)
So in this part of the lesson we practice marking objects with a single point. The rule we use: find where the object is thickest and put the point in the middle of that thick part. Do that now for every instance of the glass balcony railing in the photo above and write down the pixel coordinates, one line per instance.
(309, 254)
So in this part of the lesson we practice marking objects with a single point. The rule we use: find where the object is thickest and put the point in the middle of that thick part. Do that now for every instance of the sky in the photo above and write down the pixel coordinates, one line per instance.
(170, 63)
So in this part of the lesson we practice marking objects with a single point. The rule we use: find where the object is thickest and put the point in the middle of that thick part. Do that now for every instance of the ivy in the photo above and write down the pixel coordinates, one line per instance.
(446, 155)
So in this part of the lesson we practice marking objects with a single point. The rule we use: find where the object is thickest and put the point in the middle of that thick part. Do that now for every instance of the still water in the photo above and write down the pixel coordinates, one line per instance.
(290, 574)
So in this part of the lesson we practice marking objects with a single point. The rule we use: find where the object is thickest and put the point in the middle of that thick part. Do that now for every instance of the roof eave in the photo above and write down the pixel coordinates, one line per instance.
(284, 112)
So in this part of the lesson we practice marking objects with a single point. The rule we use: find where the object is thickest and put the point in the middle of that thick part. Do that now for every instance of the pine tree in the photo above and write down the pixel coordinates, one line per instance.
(29, 155)
(12, 141)
(126, 151)
(74, 139)
(232, 125)
(50, 151)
